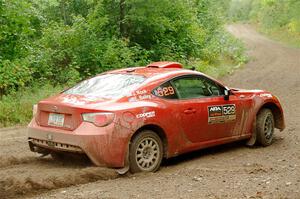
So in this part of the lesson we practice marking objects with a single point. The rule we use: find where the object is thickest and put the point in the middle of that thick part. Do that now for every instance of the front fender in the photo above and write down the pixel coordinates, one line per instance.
(271, 102)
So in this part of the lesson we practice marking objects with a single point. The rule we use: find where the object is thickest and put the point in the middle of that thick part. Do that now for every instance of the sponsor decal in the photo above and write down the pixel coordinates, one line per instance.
(144, 97)
(221, 113)
(214, 111)
(141, 92)
(265, 95)
(73, 100)
(146, 115)
(139, 95)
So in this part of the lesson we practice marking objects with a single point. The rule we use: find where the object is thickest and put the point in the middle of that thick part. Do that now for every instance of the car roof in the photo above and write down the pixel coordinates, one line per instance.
(154, 69)
(150, 72)
(160, 70)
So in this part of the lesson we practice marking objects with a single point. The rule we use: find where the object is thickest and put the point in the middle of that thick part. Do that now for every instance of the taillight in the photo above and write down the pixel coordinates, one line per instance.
(34, 110)
(99, 119)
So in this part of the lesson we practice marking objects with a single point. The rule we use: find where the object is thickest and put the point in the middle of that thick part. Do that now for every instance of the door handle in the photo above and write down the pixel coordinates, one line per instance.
(189, 111)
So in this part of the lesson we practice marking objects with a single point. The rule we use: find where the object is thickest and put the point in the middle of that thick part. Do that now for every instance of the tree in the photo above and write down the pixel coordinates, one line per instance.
(123, 30)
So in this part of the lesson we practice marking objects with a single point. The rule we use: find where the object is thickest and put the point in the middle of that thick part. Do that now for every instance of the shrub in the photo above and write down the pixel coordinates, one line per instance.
(13, 75)
(16, 107)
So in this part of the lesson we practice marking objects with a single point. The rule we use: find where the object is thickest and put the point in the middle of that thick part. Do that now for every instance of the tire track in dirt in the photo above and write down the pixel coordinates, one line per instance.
(23, 172)
(12, 160)
(14, 148)
(31, 182)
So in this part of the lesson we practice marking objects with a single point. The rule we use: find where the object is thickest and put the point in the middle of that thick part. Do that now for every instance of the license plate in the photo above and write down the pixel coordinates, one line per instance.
(56, 119)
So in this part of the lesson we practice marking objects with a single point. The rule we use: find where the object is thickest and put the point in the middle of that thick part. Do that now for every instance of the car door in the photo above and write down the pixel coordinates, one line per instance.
(204, 113)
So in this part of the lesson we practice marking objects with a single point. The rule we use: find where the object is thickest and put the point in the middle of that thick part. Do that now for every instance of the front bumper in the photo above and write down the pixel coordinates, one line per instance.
(105, 146)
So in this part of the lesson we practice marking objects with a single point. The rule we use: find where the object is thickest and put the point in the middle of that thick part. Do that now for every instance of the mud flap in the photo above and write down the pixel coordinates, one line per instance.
(125, 169)
(122, 171)
(252, 140)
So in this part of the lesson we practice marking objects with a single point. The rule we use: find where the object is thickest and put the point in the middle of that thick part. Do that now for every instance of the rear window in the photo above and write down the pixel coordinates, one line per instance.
(108, 86)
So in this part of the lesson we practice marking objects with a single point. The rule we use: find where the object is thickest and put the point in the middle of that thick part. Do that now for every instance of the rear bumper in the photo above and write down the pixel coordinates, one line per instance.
(105, 146)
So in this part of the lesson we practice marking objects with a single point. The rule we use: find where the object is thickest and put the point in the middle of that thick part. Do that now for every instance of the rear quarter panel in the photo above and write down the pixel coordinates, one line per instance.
(156, 112)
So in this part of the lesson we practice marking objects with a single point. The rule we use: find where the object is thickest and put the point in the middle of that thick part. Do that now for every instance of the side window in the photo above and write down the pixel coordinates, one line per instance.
(165, 90)
(213, 88)
(196, 87)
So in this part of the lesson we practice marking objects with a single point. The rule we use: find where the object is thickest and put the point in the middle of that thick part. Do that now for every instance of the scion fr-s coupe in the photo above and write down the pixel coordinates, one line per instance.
(130, 119)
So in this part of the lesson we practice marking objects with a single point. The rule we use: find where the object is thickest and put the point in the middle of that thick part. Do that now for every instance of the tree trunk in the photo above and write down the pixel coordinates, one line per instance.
(122, 19)
(63, 11)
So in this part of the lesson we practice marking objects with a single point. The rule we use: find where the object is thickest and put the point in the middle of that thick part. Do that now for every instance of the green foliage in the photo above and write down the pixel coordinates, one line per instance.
(279, 15)
(12, 75)
(168, 29)
(59, 42)
(239, 10)
(223, 46)
(16, 108)
(69, 53)
(18, 26)
(280, 19)
(62, 10)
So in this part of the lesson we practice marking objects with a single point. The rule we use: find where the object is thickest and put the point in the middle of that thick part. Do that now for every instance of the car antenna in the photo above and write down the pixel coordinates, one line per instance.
(193, 68)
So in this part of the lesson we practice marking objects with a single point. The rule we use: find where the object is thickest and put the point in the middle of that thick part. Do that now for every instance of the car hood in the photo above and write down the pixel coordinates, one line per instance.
(246, 91)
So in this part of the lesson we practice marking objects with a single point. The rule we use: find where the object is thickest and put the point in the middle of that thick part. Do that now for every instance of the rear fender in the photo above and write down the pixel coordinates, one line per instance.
(159, 131)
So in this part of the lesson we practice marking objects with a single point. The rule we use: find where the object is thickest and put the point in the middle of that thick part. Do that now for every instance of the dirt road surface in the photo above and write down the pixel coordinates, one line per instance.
(230, 171)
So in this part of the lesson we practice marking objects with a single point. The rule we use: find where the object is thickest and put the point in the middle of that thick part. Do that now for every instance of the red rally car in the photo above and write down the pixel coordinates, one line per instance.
(132, 118)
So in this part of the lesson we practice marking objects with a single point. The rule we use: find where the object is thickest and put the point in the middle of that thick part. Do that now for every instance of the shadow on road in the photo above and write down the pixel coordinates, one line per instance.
(216, 150)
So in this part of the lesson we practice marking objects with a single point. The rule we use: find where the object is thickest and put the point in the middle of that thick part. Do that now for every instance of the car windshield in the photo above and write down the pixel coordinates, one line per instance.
(107, 86)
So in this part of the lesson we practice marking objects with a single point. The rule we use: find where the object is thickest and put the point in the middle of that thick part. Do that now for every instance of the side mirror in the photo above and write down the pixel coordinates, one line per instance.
(226, 94)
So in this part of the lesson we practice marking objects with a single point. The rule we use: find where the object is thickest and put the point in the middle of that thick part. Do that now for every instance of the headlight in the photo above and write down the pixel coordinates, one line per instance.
(99, 119)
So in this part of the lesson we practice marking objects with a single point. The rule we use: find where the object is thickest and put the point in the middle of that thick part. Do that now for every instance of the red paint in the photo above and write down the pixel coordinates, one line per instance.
(164, 64)
(183, 121)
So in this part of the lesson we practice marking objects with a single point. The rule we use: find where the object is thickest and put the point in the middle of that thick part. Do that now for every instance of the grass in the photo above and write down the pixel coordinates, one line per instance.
(284, 37)
(224, 66)
(16, 108)
(281, 35)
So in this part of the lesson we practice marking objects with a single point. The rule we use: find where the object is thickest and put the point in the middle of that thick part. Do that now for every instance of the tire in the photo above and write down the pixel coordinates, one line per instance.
(145, 152)
(265, 127)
